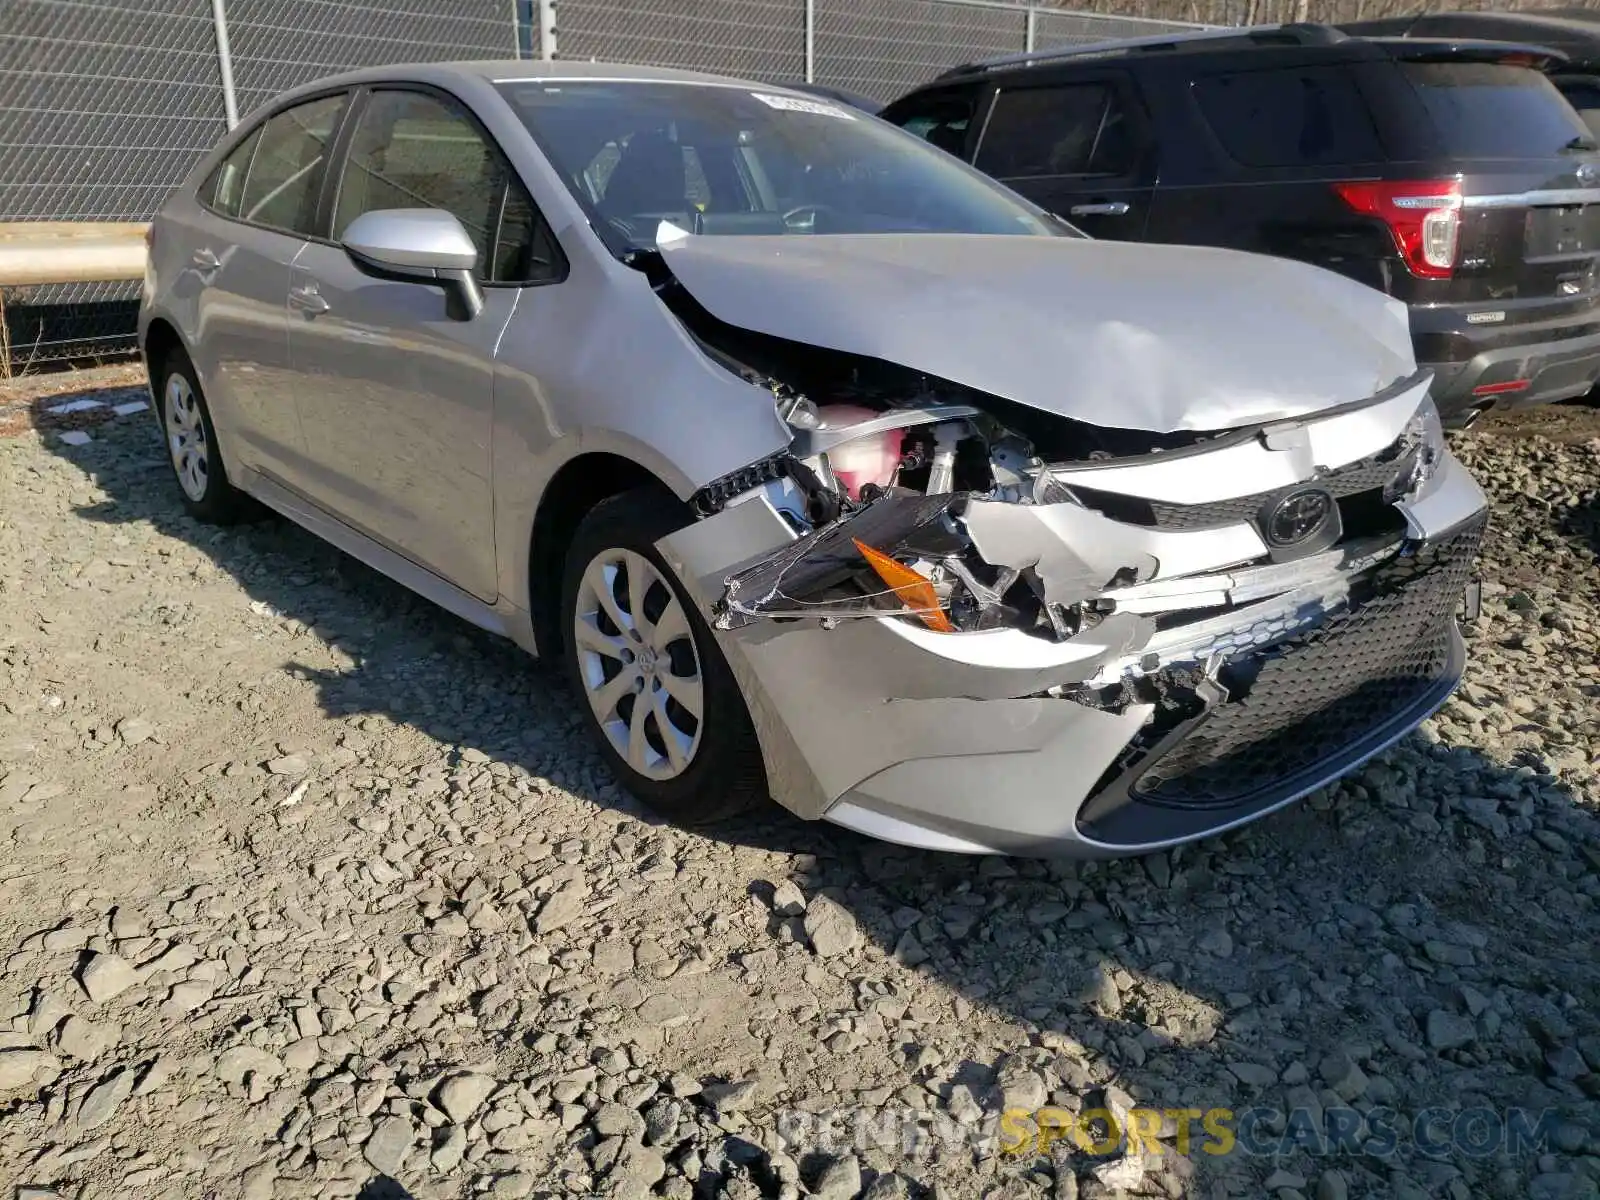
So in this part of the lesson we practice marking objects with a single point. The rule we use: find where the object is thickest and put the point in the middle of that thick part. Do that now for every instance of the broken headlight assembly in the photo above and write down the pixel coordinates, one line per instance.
(902, 479)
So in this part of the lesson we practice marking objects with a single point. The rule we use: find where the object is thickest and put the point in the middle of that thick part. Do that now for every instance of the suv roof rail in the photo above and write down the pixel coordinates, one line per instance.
(1295, 34)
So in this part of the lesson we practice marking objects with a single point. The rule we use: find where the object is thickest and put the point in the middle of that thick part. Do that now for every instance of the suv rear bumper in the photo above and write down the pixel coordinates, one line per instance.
(1557, 367)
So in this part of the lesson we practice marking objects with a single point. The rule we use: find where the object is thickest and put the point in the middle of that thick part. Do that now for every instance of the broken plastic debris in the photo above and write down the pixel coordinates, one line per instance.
(132, 406)
(75, 437)
(295, 796)
(72, 406)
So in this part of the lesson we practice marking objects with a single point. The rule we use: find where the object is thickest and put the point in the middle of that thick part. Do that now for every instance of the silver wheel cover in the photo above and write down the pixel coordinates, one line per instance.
(639, 663)
(186, 437)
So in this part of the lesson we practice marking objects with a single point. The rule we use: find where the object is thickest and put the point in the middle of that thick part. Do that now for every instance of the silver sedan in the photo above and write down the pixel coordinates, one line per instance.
(833, 472)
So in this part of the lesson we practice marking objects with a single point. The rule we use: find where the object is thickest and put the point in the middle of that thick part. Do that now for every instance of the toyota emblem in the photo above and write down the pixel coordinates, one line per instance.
(1298, 517)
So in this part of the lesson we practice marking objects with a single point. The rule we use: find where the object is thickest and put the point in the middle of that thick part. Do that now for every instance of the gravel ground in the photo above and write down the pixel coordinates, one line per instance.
(309, 889)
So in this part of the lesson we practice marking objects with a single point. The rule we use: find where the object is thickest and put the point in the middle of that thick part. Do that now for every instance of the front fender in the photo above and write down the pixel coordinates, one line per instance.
(598, 364)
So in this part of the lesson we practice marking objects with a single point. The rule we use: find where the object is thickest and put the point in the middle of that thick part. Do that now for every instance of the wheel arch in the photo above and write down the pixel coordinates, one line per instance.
(161, 338)
(574, 490)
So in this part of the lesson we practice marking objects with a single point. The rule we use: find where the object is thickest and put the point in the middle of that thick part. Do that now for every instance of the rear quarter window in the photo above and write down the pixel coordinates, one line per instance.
(1584, 96)
(1289, 116)
(1488, 110)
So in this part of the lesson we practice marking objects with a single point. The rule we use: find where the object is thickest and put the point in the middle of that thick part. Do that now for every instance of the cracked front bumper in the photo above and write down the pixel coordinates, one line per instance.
(1001, 741)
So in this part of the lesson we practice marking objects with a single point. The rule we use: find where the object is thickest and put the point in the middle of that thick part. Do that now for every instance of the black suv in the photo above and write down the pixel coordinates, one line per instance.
(1449, 174)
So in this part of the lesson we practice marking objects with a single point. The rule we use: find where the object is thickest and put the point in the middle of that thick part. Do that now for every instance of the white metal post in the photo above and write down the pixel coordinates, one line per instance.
(547, 29)
(219, 26)
(811, 41)
(1033, 21)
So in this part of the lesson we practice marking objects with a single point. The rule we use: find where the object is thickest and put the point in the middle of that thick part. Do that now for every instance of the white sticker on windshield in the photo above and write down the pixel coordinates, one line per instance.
(796, 104)
(668, 234)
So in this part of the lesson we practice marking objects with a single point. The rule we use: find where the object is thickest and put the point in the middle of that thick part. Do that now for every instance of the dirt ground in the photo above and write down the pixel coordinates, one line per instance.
(308, 888)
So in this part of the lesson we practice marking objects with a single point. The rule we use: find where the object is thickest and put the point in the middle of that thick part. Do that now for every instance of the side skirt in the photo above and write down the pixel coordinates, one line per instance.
(377, 556)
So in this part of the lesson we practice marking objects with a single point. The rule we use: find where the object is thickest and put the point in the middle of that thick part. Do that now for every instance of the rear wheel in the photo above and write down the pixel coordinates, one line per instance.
(192, 445)
(656, 689)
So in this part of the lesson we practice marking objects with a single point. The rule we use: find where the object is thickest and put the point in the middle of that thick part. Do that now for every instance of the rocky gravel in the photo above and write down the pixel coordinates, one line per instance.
(308, 889)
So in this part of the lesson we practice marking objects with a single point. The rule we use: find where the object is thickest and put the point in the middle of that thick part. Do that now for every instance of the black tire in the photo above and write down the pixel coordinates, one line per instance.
(724, 776)
(217, 501)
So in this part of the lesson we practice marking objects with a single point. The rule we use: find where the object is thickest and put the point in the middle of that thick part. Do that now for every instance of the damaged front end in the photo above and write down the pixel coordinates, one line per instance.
(963, 623)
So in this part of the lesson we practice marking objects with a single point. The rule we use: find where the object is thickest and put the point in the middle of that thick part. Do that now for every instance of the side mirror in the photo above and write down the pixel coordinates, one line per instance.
(417, 243)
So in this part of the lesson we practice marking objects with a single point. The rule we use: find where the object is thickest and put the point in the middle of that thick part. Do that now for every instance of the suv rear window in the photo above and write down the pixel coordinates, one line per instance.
(1488, 110)
(1289, 116)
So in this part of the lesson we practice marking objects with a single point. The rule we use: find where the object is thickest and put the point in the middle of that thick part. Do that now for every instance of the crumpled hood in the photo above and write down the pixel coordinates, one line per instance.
(1151, 337)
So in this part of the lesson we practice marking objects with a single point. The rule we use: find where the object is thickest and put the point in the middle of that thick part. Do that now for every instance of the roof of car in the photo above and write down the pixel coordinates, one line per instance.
(1230, 39)
(1219, 37)
(512, 70)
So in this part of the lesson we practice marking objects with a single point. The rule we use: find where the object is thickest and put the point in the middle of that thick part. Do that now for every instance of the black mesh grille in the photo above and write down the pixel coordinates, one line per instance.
(1305, 700)
(1368, 475)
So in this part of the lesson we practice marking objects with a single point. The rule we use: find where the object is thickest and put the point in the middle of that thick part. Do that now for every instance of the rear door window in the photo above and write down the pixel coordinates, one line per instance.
(285, 179)
(1078, 129)
(1489, 110)
(1289, 117)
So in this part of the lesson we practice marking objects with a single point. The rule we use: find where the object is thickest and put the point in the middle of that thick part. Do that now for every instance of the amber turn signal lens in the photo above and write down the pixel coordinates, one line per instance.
(915, 591)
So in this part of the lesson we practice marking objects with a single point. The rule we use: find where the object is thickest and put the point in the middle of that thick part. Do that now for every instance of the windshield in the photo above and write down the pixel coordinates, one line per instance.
(732, 160)
(1487, 110)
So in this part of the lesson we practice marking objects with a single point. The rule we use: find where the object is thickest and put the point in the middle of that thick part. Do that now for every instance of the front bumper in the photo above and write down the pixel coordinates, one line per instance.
(999, 741)
(1319, 704)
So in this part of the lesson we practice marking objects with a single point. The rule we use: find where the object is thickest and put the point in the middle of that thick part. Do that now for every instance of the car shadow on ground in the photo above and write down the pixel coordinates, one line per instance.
(1392, 942)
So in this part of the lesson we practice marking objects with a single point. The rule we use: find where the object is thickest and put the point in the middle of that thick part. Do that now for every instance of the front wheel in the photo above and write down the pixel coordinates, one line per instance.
(658, 693)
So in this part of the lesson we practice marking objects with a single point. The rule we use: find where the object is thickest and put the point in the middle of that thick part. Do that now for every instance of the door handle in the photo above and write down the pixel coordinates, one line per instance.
(205, 260)
(308, 300)
(1103, 208)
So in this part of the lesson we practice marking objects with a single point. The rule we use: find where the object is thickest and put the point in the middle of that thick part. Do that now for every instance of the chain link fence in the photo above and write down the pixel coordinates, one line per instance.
(106, 104)
(879, 48)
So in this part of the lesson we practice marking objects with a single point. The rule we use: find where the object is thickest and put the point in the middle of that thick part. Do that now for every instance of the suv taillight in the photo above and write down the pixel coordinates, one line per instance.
(1423, 217)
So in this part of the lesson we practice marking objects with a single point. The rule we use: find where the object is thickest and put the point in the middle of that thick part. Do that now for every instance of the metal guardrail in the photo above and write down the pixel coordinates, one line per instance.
(40, 252)
(36, 254)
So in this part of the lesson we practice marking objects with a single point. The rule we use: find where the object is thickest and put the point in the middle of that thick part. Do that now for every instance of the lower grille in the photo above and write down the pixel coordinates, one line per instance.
(1303, 702)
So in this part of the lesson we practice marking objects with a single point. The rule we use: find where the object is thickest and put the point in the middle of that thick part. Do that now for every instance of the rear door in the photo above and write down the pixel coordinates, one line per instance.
(1081, 149)
(260, 202)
